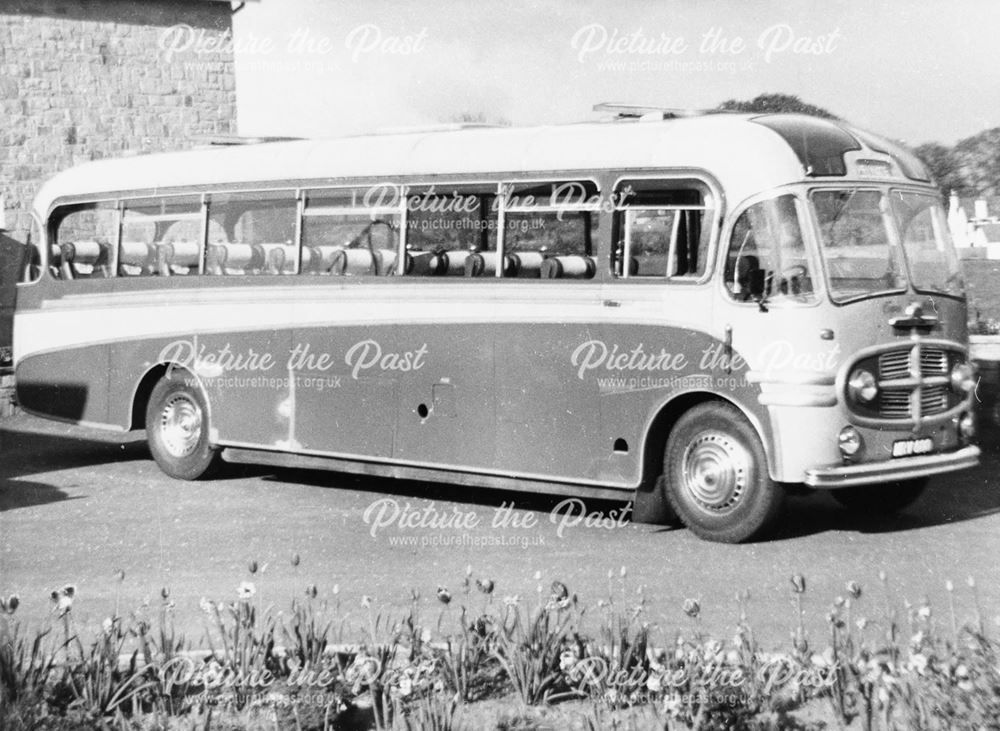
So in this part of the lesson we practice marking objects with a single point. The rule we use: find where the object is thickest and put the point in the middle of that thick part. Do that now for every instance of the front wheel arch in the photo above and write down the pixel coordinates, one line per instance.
(658, 431)
(716, 476)
(650, 503)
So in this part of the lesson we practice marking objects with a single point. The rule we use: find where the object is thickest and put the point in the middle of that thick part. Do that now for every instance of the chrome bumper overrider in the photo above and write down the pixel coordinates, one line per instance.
(893, 470)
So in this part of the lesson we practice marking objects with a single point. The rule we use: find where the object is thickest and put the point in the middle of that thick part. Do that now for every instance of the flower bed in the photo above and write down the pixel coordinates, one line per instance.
(483, 660)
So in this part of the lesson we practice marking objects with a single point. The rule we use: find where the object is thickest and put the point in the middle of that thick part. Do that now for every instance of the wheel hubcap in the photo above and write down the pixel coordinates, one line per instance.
(180, 425)
(717, 470)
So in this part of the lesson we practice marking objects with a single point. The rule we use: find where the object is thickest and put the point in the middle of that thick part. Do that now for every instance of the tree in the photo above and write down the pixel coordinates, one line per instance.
(946, 167)
(773, 103)
(979, 158)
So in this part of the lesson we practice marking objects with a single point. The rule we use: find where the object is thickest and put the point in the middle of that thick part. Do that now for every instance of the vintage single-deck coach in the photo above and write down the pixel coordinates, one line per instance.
(697, 313)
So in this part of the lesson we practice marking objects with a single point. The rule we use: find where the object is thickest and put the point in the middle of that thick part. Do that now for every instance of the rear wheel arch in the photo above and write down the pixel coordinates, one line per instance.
(178, 425)
(144, 389)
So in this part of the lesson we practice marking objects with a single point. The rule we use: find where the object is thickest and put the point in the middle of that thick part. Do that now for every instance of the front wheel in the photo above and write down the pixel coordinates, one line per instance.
(177, 428)
(882, 499)
(716, 475)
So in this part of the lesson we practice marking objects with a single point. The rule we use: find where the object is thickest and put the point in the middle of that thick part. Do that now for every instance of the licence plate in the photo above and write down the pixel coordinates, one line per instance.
(910, 447)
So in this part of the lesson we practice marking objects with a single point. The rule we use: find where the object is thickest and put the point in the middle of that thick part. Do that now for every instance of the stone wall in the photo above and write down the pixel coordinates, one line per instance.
(87, 79)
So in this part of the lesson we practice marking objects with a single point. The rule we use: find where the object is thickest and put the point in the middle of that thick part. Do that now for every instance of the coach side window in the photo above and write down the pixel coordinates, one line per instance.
(161, 237)
(351, 232)
(549, 229)
(451, 231)
(252, 233)
(662, 229)
(83, 239)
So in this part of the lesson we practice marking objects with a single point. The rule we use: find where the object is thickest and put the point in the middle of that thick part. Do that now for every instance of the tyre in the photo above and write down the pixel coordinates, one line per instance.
(881, 499)
(177, 428)
(716, 475)
(650, 505)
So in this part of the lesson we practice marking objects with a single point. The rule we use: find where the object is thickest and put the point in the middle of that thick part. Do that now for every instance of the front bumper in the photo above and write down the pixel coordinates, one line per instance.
(895, 470)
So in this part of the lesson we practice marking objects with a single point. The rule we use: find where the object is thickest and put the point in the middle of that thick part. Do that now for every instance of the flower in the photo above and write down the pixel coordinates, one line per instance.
(246, 590)
(312, 591)
(692, 608)
(10, 605)
(918, 663)
(798, 583)
(165, 593)
(253, 567)
(567, 660)
(107, 625)
(405, 685)
(425, 635)
(443, 595)
(366, 601)
(672, 705)
(559, 591)
(63, 604)
(511, 600)
(485, 586)
(63, 599)
(854, 589)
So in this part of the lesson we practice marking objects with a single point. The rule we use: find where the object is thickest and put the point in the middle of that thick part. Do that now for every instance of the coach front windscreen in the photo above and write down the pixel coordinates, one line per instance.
(877, 241)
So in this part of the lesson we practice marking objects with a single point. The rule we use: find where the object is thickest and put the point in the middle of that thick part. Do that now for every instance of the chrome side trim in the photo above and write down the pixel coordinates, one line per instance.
(792, 378)
(896, 469)
(798, 398)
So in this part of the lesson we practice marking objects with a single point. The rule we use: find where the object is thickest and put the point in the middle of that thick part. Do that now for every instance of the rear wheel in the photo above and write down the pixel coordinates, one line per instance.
(889, 498)
(716, 475)
(177, 428)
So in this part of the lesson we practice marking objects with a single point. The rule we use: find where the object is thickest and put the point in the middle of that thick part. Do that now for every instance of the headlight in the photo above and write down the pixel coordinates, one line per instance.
(862, 386)
(963, 378)
(849, 441)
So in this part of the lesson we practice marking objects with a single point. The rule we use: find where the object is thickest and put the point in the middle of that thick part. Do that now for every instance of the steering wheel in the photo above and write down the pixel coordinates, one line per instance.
(794, 272)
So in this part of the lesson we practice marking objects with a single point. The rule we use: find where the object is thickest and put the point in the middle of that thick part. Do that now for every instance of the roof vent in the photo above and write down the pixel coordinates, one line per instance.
(645, 113)
(445, 127)
(229, 140)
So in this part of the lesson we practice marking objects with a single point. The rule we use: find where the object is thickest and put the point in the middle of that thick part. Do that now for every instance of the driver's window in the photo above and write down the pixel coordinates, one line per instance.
(767, 257)
(351, 232)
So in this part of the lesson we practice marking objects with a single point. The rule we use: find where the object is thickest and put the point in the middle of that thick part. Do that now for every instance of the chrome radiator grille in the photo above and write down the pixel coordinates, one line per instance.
(922, 389)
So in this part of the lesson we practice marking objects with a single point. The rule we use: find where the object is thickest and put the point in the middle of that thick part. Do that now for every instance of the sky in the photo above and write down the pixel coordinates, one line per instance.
(914, 70)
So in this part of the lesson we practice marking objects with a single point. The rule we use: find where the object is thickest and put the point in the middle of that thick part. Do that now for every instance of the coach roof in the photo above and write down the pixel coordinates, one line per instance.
(744, 156)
